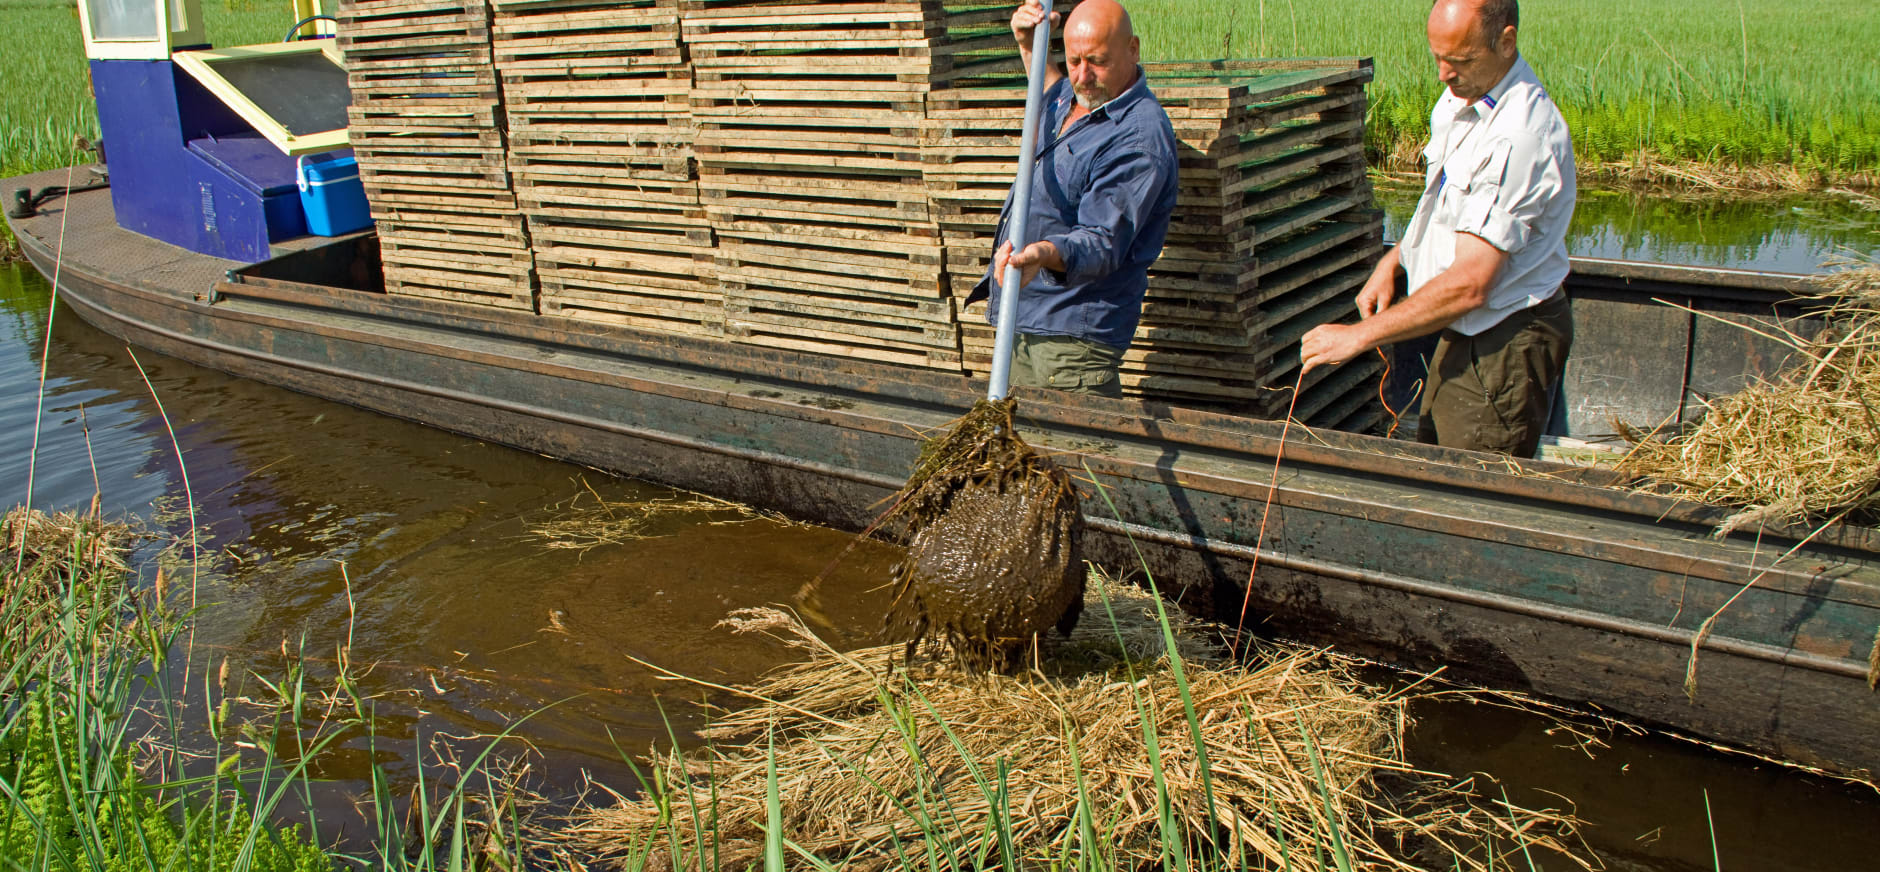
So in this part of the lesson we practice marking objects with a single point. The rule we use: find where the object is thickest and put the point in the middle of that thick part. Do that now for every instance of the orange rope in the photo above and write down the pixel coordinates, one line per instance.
(1279, 454)
(1383, 381)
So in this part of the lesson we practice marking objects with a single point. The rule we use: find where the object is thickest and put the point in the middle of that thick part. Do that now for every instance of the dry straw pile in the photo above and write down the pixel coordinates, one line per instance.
(1805, 445)
(37, 543)
(58, 568)
(1087, 761)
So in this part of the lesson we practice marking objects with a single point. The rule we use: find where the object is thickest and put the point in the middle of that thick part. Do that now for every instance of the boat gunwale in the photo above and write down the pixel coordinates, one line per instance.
(1536, 480)
(1721, 566)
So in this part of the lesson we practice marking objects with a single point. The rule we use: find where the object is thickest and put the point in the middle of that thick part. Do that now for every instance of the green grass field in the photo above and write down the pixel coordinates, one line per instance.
(1746, 83)
(44, 96)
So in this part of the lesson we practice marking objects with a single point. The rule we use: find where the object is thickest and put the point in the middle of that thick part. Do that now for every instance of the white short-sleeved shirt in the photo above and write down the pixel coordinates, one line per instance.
(1500, 168)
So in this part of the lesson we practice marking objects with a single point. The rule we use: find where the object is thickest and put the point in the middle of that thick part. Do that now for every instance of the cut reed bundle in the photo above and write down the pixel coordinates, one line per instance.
(83, 544)
(1803, 445)
(1088, 761)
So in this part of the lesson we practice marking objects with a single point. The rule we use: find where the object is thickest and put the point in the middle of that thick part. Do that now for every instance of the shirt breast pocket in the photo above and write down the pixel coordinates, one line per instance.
(1449, 200)
(1072, 171)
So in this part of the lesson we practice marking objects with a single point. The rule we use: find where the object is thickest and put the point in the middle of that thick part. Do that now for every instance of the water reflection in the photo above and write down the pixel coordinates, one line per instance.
(322, 523)
(1792, 235)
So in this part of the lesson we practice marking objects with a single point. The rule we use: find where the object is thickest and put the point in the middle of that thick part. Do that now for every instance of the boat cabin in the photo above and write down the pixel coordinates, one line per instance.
(219, 151)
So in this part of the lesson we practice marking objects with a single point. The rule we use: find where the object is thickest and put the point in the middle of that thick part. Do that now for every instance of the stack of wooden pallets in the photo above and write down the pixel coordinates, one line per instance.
(810, 117)
(827, 176)
(1272, 235)
(600, 145)
(426, 125)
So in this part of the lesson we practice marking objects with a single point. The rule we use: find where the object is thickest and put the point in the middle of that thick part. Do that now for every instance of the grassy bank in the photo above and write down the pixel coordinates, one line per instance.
(1754, 83)
(1751, 94)
(46, 101)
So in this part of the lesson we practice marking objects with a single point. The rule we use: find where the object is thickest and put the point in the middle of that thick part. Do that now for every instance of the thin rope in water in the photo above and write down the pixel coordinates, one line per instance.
(45, 356)
(1272, 489)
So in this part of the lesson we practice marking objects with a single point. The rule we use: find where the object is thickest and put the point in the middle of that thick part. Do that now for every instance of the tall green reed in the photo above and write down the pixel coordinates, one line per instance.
(112, 759)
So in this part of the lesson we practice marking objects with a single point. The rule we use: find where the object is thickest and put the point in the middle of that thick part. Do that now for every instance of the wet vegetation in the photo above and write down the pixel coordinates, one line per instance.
(1138, 743)
(995, 556)
(1139, 740)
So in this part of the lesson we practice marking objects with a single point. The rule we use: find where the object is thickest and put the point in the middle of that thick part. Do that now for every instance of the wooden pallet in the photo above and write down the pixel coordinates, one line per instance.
(641, 274)
(889, 205)
(837, 343)
(911, 271)
(564, 35)
(501, 290)
(625, 257)
(426, 126)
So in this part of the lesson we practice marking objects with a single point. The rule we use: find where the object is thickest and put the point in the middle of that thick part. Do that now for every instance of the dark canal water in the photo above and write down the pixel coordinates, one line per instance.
(475, 622)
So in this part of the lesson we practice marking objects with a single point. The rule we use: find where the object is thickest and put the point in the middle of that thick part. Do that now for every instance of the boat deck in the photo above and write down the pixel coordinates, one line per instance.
(82, 227)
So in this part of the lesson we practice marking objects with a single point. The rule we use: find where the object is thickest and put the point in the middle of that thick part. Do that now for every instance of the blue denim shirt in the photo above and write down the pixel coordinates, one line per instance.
(1102, 193)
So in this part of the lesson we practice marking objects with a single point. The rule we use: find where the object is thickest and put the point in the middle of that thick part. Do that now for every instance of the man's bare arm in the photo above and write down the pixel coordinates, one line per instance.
(1457, 291)
(1024, 28)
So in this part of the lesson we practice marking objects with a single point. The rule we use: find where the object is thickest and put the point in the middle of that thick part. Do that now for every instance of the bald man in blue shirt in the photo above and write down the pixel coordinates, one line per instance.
(1102, 193)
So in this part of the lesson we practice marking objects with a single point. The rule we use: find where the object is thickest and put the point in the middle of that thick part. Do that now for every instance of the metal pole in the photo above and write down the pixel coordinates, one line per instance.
(1001, 381)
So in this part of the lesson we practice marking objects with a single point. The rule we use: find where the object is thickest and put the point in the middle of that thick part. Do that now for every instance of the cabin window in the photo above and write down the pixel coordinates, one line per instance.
(126, 20)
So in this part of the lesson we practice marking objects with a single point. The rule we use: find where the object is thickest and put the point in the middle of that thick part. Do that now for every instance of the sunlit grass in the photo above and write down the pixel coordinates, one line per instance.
(45, 94)
(1750, 82)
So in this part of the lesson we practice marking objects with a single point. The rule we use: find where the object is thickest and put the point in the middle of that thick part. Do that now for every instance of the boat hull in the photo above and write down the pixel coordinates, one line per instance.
(1526, 576)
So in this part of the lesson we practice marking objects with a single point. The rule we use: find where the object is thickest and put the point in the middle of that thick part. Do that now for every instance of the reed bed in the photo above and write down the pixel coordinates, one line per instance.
(1802, 446)
(1108, 754)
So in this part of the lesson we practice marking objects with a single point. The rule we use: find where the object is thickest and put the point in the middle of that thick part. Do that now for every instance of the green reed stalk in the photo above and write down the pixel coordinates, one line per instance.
(1339, 854)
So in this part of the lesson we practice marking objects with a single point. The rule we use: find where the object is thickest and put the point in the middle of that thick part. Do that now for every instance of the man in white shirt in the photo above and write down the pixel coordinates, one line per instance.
(1486, 250)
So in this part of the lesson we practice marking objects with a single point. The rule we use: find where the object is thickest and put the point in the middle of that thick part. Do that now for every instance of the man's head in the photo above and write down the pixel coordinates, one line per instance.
(1474, 43)
(1101, 52)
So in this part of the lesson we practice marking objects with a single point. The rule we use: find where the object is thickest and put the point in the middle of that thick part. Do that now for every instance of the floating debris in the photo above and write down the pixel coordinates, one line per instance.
(588, 521)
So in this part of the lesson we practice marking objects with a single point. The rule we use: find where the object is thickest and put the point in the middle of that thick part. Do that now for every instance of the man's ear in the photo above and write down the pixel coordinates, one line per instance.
(1504, 44)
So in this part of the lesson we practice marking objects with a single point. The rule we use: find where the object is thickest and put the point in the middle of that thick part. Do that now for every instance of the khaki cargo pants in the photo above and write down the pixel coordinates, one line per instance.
(1066, 364)
(1493, 391)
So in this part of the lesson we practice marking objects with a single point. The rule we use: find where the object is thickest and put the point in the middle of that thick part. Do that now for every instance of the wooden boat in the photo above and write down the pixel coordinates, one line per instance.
(1528, 575)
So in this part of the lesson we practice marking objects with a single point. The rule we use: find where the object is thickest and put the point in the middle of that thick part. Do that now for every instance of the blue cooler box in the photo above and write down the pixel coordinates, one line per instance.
(331, 193)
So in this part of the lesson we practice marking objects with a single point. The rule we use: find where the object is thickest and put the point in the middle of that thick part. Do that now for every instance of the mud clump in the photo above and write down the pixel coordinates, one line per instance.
(995, 553)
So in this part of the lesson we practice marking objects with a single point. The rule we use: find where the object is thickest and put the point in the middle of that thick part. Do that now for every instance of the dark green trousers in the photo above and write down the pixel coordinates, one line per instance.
(1066, 364)
(1493, 391)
